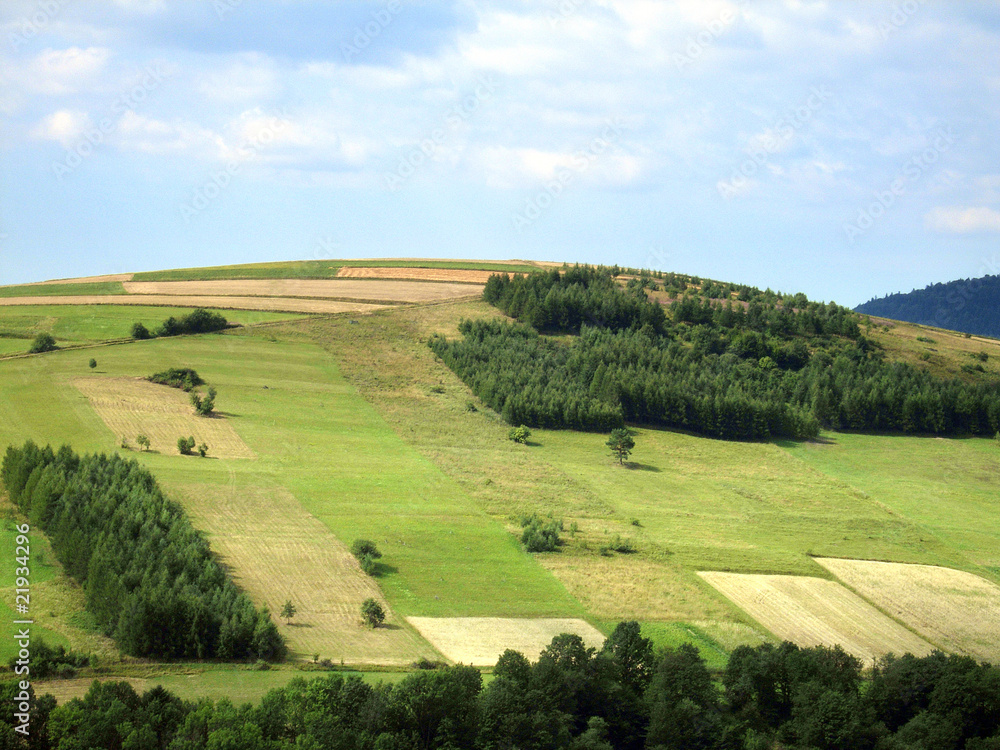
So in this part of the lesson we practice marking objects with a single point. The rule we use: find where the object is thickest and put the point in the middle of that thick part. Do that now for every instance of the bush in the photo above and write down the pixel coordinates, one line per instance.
(367, 553)
(140, 332)
(143, 442)
(203, 450)
(185, 445)
(177, 377)
(519, 434)
(92, 364)
(372, 613)
(624, 546)
(199, 321)
(43, 343)
(540, 535)
(204, 406)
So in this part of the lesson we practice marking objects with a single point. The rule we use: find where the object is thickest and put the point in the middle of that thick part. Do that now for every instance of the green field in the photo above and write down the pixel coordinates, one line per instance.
(317, 269)
(75, 325)
(55, 290)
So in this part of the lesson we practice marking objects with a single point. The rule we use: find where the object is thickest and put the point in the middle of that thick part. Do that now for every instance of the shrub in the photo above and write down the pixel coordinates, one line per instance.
(177, 377)
(540, 535)
(203, 450)
(92, 364)
(471, 406)
(140, 332)
(519, 434)
(142, 441)
(204, 406)
(185, 445)
(43, 343)
(624, 546)
(372, 613)
(367, 553)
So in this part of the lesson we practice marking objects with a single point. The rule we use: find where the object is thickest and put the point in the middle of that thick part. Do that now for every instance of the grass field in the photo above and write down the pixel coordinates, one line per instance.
(52, 290)
(957, 611)
(816, 612)
(74, 325)
(321, 269)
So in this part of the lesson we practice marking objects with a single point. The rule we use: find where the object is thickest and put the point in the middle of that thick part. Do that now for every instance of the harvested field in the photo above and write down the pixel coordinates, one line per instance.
(373, 290)
(272, 304)
(956, 610)
(481, 640)
(420, 274)
(276, 551)
(130, 406)
(813, 612)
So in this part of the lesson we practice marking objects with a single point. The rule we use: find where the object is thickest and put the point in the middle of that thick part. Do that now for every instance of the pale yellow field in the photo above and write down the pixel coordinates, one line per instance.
(958, 611)
(133, 406)
(813, 612)
(374, 290)
(276, 551)
(422, 274)
(481, 640)
(271, 304)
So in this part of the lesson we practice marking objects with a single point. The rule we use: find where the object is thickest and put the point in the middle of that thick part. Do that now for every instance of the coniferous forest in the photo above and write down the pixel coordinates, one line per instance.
(623, 696)
(148, 576)
(722, 361)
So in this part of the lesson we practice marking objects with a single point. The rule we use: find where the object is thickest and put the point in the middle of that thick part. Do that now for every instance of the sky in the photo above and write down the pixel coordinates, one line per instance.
(842, 149)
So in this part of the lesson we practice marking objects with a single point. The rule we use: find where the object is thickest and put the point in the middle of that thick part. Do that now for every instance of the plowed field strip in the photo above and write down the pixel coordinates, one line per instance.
(957, 610)
(813, 611)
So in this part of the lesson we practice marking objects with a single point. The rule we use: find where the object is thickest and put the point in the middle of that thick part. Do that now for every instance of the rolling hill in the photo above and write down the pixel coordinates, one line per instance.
(965, 305)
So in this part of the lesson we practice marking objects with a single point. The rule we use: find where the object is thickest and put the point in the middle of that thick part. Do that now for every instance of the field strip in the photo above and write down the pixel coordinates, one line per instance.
(277, 551)
(84, 280)
(421, 274)
(817, 612)
(360, 289)
(481, 640)
(133, 406)
(957, 610)
(269, 304)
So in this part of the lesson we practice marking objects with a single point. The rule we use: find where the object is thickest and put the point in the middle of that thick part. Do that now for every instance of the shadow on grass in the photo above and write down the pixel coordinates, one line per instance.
(636, 466)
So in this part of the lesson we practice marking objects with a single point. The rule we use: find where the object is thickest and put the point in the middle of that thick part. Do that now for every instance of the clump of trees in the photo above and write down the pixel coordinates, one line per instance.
(573, 697)
(772, 367)
(372, 613)
(43, 342)
(541, 534)
(52, 661)
(149, 577)
(197, 321)
(204, 406)
(367, 554)
(185, 445)
(177, 377)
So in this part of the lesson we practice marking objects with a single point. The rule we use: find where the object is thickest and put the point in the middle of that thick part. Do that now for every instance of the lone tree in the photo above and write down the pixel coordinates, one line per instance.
(185, 445)
(43, 343)
(143, 442)
(621, 443)
(204, 406)
(519, 434)
(372, 613)
(92, 363)
(288, 611)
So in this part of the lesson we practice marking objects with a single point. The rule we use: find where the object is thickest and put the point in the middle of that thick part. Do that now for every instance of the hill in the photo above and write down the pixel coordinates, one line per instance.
(966, 305)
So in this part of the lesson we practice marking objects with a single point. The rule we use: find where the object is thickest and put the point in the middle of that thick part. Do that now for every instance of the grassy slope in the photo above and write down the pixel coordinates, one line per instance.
(942, 352)
(315, 436)
(316, 269)
(53, 290)
(73, 325)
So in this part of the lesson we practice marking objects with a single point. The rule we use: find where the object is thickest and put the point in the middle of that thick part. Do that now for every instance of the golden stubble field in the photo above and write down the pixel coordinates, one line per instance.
(134, 406)
(957, 611)
(266, 304)
(817, 612)
(371, 290)
(421, 274)
(481, 640)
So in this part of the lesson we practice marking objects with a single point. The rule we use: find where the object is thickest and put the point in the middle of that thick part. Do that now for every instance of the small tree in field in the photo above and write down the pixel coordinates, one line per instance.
(93, 363)
(203, 450)
(288, 611)
(43, 343)
(185, 445)
(140, 332)
(372, 613)
(367, 553)
(142, 441)
(519, 434)
(621, 443)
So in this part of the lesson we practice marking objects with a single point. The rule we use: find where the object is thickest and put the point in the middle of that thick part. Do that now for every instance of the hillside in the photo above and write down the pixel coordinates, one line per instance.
(340, 423)
(966, 305)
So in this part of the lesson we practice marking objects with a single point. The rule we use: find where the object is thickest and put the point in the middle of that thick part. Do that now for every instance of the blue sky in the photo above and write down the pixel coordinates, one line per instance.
(842, 149)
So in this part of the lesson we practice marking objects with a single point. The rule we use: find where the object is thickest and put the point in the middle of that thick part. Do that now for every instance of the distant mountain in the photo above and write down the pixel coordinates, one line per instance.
(969, 305)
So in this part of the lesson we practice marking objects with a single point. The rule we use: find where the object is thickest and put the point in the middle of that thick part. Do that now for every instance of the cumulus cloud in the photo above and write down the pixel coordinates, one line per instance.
(963, 219)
(64, 126)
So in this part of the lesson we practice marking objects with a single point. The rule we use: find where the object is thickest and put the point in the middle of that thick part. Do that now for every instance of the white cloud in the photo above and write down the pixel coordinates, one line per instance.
(962, 219)
(65, 71)
(138, 132)
(65, 126)
(251, 77)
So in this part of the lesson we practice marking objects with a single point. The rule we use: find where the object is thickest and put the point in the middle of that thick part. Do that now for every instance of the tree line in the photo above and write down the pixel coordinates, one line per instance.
(624, 696)
(717, 368)
(149, 577)
(197, 321)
